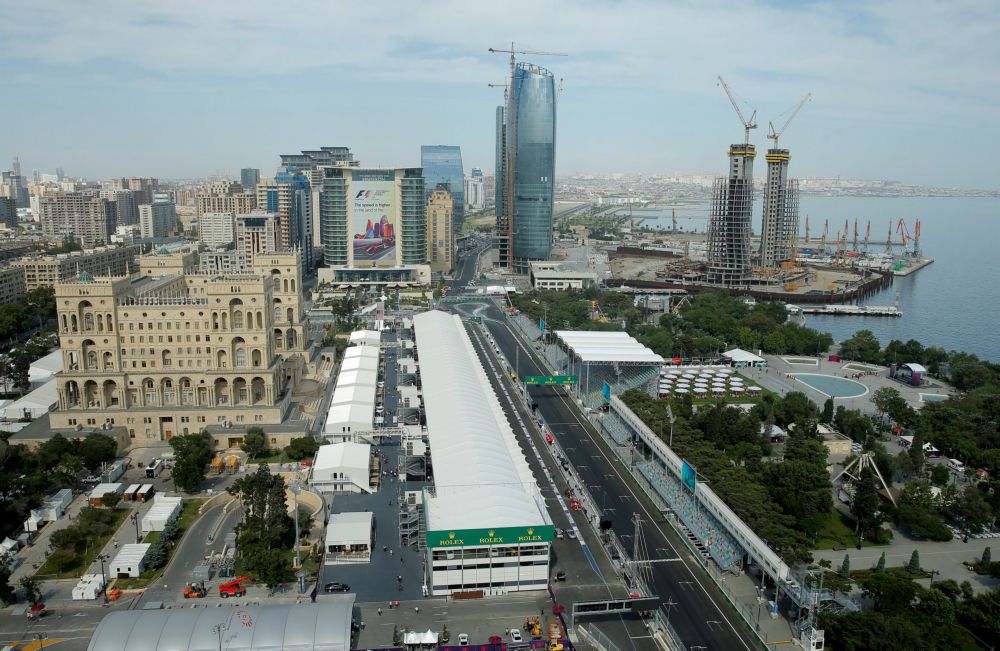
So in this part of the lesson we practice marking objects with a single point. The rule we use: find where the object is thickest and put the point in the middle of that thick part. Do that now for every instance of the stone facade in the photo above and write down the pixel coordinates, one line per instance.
(178, 351)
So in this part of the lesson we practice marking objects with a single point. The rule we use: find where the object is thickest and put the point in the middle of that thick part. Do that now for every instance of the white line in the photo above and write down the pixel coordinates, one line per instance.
(573, 411)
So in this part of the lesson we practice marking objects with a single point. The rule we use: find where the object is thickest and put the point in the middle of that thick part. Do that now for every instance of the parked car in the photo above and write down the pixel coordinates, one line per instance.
(336, 587)
(571, 534)
(91, 479)
(515, 635)
(463, 639)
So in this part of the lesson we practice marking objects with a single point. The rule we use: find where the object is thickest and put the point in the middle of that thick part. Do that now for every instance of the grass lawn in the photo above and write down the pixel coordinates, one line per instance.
(75, 566)
(189, 513)
(838, 531)
(855, 366)
(277, 457)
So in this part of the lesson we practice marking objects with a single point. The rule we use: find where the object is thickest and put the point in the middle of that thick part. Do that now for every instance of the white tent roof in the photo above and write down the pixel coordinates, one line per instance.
(607, 347)
(915, 368)
(131, 554)
(740, 355)
(481, 476)
(343, 455)
(357, 376)
(361, 351)
(349, 528)
(355, 363)
(349, 414)
(38, 402)
(366, 337)
(43, 369)
(103, 489)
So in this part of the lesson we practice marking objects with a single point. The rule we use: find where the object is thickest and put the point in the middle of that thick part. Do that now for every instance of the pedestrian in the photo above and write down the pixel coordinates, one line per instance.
(400, 558)
(379, 612)
(385, 548)
(390, 552)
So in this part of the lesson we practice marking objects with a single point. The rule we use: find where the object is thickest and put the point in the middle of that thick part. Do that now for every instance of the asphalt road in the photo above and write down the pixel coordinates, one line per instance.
(699, 613)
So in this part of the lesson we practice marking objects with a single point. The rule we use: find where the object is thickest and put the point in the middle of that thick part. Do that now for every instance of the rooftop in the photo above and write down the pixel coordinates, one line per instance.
(591, 346)
(481, 476)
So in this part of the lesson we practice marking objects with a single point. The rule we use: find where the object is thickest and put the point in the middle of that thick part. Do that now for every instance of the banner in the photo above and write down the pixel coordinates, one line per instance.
(689, 476)
(373, 216)
(496, 536)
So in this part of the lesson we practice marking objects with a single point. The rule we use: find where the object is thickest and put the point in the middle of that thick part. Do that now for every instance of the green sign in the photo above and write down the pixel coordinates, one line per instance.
(550, 379)
(497, 536)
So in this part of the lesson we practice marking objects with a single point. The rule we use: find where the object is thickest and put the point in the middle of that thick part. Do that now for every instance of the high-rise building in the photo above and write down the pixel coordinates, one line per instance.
(144, 187)
(781, 210)
(440, 231)
(256, 234)
(443, 169)
(157, 219)
(229, 199)
(217, 229)
(8, 212)
(83, 216)
(50, 269)
(14, 186)
(374, 225)
(526, 180)
(729, 225)
(125, 206)
(312, 159)
(289, 196)
(249, 177)
(60, 174)
(500, 141)
(475, 189)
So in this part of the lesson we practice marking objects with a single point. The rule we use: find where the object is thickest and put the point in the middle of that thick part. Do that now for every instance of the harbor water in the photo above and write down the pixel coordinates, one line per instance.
(953, 303)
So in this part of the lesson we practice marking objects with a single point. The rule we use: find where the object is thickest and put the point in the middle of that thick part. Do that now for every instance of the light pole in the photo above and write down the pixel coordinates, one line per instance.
(295, 500)
(217, 629)
(104, 580)
(135, 521)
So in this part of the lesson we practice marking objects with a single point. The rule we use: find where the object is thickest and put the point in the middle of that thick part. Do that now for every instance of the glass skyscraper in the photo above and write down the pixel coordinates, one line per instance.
(532, 129)
(443, 168)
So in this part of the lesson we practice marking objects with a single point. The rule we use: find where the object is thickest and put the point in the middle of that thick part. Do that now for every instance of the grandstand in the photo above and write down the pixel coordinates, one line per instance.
(713, 529)
(612, 358)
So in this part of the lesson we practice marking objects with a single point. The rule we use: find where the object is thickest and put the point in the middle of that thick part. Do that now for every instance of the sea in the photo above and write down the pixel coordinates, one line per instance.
(953, 303)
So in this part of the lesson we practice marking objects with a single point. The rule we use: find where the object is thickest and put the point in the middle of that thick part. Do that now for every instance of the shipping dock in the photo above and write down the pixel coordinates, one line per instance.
(845, 310)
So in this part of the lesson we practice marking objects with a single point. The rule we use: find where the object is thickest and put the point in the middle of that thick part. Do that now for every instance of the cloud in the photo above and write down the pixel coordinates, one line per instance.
(917, 63)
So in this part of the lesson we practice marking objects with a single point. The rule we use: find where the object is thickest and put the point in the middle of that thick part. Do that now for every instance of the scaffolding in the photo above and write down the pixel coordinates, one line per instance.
(730, 223)
(781, 211)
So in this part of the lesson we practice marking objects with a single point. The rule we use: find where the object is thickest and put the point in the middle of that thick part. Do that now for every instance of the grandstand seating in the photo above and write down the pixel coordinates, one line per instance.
(702, 527)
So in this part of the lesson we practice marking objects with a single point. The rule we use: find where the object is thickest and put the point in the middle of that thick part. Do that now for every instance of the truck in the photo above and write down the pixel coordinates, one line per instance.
(234, 588)
(154, 468)
(194, 591)
(533, 626)
(113, 472)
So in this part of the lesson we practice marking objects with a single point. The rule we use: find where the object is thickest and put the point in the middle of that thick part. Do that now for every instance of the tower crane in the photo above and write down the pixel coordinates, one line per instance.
(807, 229)
(512, 52)
(855, 243)
(888, 239)
(868, 232)
(775, 134)
(747, 124)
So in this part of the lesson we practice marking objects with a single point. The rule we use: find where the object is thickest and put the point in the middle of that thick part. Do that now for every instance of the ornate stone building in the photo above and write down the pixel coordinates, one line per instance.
(174, 351)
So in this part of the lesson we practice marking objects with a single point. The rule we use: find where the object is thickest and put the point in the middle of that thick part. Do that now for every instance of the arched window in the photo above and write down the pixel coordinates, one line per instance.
(237, 319)
(241, 357)
(88, 322)
(91, 360)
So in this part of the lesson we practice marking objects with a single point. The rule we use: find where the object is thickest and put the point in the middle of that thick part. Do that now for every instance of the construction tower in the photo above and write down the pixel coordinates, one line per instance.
(781, 201)
(781, 210)
(730, 221)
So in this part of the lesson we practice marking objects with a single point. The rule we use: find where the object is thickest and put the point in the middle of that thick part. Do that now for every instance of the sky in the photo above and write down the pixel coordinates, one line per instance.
(902, 90)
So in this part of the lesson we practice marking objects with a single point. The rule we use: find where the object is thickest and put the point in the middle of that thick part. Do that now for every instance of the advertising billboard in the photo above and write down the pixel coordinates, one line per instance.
(495, 536)
(689, 476)
(373, 216)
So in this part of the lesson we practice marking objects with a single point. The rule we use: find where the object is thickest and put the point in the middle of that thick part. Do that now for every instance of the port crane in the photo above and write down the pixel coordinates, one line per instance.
(747, 124)
(854, 244)
(775, 134)
(868, 232)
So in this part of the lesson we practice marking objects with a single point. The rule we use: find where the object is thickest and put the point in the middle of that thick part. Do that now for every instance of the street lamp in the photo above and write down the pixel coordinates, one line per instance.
(104, 580)
(217, 629)
(135, 521)
(295, 500)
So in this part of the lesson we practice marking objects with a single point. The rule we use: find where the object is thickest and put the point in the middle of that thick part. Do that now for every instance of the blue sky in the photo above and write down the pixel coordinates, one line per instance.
(906, 90)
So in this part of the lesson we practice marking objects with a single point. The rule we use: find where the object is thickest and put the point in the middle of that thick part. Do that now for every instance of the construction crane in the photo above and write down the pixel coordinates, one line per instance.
(826, 231)
(807, 229)
(512, 52)
(673, 219)
(855, 243)
(916, 238)
(774, 135)
(868, 232)
(747, 124)
(888, 238)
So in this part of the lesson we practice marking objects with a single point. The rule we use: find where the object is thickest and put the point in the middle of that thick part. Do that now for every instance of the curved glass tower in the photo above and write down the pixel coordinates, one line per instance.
(443, 167)
(532, 131)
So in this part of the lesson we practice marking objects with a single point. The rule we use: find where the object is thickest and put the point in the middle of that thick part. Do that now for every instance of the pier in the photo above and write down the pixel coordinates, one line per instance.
(846, 310)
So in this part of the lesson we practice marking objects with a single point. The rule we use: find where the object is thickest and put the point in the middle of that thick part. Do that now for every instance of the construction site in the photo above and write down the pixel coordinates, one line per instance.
(779, 263)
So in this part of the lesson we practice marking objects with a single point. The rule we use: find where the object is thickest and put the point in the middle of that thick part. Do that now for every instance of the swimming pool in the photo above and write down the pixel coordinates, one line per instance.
(933, 397)
(835, 387)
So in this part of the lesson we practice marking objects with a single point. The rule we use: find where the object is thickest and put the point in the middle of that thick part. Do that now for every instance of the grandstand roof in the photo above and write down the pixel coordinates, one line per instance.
(607, 347)
(481, 477)
(319, 627)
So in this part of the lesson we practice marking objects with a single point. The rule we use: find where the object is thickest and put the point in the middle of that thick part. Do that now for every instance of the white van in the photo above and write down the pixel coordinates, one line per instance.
(956, 466)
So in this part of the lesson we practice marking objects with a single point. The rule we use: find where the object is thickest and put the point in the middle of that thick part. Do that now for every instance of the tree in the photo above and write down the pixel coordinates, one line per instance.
(97, 449)
(987, 557)
(254, 443)
(827, 416)
(982, 614)
(968, 375)
(973, 510)
(7, 595)
(914, 565)
(889, 402)
(845, 567)
(863, 346)
(916, 452)
(32, 591)
(880, 566)
(192, 453)
(939, 475)
(866, 503)
(111, 499)
(891, 592)
(304, 447)
(271, 567)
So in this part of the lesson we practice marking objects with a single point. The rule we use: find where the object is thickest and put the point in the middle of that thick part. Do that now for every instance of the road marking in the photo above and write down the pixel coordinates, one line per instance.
(573, 410)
